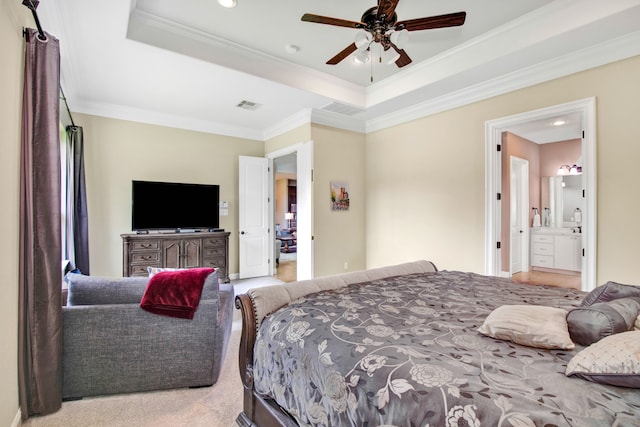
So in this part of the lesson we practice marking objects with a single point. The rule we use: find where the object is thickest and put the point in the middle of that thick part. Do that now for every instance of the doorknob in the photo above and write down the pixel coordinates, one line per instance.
(242, 232)
(521, 231)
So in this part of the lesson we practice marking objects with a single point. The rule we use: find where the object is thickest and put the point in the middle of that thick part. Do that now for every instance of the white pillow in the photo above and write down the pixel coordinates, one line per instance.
(531, 325)
(613, 360)
(156, 270)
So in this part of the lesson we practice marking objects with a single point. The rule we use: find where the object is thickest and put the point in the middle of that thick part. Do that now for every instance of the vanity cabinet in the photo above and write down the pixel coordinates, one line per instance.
(202, 249)
(556, 250)
(567, 250)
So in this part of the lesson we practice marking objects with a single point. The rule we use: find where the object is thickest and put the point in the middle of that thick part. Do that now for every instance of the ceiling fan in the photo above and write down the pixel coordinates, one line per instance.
(380, 23)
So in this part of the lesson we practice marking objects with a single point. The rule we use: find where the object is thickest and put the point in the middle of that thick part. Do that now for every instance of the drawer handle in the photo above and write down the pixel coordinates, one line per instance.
(146, 245)
(146, 257)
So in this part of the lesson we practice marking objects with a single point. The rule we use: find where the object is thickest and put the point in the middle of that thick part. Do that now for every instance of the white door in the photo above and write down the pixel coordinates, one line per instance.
(304, 199)
(519, 215)
(253, 221)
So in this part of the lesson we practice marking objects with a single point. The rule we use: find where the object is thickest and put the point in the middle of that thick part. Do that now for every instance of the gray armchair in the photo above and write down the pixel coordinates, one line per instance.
(111, 345)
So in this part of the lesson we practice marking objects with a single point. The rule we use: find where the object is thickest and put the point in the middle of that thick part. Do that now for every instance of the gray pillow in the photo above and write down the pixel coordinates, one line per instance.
(590, 324)
(610, 291)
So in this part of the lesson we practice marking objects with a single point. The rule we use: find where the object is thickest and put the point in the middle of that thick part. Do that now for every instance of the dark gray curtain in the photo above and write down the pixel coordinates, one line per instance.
(77, 221)
(40, 287)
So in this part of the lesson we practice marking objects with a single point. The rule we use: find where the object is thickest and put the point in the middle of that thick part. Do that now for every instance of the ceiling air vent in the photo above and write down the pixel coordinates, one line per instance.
(248, 105)
(336, 107)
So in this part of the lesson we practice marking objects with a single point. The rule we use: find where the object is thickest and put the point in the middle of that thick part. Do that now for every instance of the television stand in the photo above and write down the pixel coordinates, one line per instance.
(175, 250)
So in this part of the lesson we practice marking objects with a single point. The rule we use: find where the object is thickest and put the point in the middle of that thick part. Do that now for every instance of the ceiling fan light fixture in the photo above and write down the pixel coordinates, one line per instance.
(389, 56)
(399, 38)
(363, 38)
(361, 57)
(229, 4)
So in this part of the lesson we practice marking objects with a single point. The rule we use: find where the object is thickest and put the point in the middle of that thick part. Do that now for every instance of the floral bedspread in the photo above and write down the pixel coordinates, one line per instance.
(404, 351)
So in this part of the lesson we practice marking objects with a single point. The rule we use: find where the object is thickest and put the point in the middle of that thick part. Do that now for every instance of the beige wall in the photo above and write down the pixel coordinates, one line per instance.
(339, 155)
(13, 16)
(425, 179)
(118, 151)
(294, 136)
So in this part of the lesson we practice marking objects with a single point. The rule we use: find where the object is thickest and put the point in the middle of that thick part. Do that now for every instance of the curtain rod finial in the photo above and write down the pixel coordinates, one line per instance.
(31, 4)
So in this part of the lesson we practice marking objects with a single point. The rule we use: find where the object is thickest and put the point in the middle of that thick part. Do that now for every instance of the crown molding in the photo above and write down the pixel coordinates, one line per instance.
(122, 112)
(602, 54)
(301, 118)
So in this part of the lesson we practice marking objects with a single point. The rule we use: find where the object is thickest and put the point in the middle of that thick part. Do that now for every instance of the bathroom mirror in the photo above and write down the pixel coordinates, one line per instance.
(562, 195)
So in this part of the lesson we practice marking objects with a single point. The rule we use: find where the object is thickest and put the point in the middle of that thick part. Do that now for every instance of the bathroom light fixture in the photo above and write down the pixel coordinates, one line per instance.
(559, 122)
(228, 3)
(569, 170)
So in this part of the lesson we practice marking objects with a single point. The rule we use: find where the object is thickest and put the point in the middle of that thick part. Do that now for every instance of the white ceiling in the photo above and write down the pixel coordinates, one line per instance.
(189, 63)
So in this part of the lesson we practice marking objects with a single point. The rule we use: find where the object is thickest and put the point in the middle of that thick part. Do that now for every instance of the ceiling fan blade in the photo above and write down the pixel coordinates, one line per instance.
(308, 17)
(404, 57)
(343, 54)
(440, 21)
(387, 8)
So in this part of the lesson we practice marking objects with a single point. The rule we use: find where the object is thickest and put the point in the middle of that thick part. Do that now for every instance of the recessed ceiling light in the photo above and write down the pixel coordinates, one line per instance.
(227, 3)
(559, 122)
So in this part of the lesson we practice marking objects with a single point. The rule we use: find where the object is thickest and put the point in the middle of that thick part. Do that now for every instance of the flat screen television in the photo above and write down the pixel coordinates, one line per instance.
(172, 205)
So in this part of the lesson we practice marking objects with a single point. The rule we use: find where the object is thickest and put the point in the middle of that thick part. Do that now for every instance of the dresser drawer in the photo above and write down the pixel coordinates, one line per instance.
(141, 270)
(145, 257)
(213, 242)
(214, 262)
(542, 261)
(542, 238)
(214, 252)
(145, 245)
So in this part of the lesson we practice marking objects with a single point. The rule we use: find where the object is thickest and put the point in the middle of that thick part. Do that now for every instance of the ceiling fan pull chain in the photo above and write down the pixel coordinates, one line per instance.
(371, 53)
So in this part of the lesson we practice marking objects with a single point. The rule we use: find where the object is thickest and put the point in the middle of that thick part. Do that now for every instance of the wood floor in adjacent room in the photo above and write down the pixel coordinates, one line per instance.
(534, 277)
(287, 269)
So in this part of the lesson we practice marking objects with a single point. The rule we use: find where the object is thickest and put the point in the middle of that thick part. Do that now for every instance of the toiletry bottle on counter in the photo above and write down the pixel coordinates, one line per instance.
(536, 218)
(546, 214)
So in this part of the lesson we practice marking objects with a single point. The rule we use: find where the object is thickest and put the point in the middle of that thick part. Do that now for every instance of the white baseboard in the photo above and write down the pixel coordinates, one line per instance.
(17, 420)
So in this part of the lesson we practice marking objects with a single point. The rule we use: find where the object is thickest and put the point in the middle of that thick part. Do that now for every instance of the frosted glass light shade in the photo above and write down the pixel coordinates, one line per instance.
(227, 3)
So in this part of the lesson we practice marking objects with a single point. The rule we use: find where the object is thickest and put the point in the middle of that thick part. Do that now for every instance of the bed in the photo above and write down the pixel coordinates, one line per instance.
(400, 346)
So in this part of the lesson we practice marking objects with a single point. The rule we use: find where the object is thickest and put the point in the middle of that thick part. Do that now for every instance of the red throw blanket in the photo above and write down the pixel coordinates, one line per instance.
(175, 293)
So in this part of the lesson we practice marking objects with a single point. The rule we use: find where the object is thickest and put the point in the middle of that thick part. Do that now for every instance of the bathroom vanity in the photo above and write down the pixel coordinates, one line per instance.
(558, 248)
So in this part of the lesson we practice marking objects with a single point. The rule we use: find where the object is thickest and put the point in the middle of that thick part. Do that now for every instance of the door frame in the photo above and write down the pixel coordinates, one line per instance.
(304, 184)
(493, 174)
(521, 166)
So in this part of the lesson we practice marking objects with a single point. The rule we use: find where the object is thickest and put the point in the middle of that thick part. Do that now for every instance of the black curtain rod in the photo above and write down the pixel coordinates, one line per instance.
(32, 6)
(64, 98)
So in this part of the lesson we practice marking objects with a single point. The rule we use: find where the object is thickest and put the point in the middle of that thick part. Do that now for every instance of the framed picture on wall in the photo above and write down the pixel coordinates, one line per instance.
(339, 196)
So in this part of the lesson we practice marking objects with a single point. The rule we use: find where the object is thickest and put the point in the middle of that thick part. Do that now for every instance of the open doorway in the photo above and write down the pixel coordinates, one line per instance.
(285, 217)
(497, 218)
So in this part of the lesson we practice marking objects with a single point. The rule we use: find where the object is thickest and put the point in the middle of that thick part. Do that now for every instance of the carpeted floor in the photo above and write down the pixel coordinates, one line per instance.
(215, 406)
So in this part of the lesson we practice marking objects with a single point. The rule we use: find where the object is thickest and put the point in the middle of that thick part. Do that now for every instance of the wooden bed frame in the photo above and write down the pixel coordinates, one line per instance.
(259, 411)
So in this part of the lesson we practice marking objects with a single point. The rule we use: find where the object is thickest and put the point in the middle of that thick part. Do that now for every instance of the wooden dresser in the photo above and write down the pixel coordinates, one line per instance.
(175, 250)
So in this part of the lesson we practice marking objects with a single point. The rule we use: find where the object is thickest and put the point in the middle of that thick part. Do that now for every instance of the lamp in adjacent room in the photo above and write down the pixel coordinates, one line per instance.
(288, 216)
